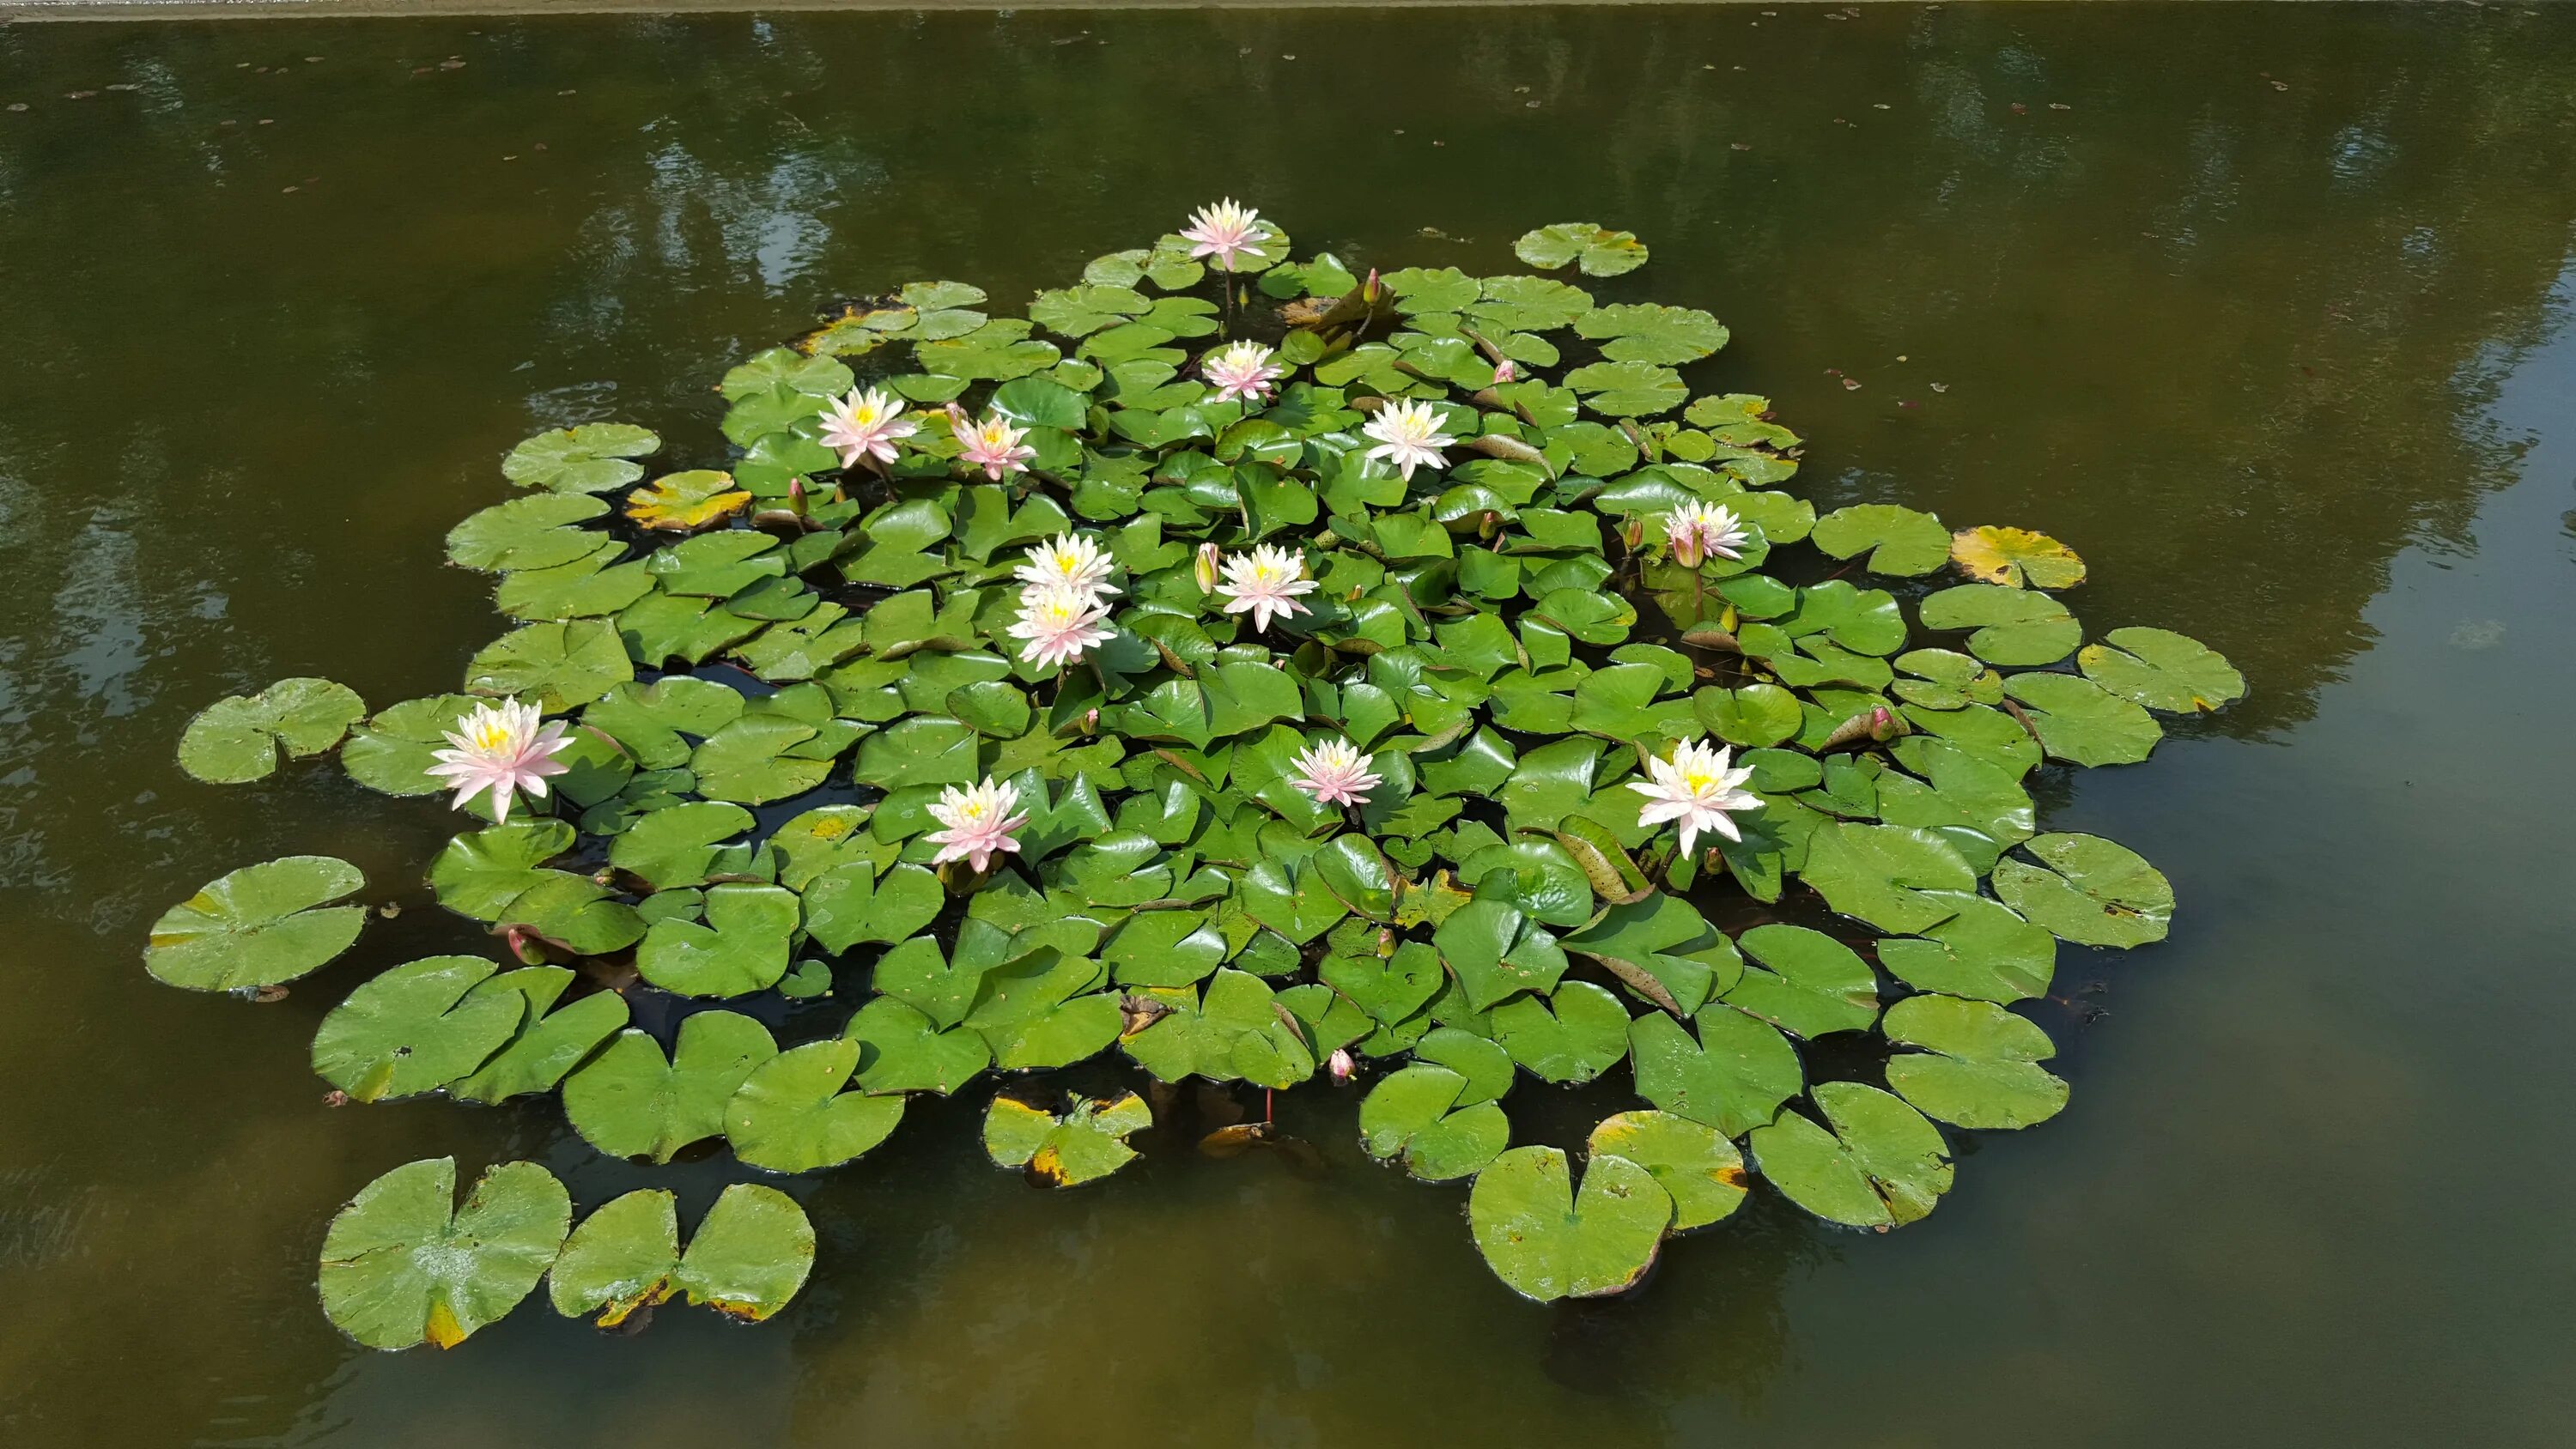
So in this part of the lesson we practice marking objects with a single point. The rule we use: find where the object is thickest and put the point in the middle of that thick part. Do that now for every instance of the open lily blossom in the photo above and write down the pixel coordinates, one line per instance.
(501, 748)
(1059, 624)
(1697, 788)
(1240, 370)
(979, 823)
(866, 424)
(1334, 772)
(1266, 583)
(1699, 530)
(993, 444)
(1210, 560)
(1409, 437)
(1072, 562)
(1224, 231)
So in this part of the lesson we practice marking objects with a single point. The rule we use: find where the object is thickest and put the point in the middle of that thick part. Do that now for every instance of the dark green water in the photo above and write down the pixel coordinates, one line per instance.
(2293, 367)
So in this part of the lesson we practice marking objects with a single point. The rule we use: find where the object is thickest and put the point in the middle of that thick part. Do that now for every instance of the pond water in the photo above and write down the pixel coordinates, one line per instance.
(2266, 310)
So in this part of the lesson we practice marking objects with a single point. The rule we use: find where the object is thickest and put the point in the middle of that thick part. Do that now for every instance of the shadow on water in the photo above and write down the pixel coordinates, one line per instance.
(2225, 297)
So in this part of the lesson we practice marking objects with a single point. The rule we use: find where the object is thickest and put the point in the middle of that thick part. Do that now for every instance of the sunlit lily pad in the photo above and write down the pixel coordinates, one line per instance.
(1979, 1064)
(632, 1101)
(2013, 627)
(1084, 1143)
(1546, 1241)
(1695, 1164)
(402, 1264)
(549, 1043)
(2162, 670)
(1900, 541)
(1415, 1113)
(790, 1114)
(591, 458)
(2081, 721)
(236, 740)
(742, 947)
(560, 664)
(2088, 890)
(1600, 251)
(685, 502)
(258, 926)
(1880, 1166)
(415, 1027)
(2015, 557)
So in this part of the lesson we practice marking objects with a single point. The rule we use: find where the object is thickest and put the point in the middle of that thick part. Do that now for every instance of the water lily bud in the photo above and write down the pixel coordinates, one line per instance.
(1634, 535)
(796, 496)
(1342, 1066)
(1209, 558)
(1504, 372)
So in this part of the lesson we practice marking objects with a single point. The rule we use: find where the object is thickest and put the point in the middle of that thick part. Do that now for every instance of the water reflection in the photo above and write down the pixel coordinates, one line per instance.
(2240, 344)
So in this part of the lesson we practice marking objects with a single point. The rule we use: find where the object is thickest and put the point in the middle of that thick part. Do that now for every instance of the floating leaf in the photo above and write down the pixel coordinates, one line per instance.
(591, 458)
(1695, 1164)
(1804, 982)
(402, 1264)
(686, 502)
(2081, 721)
(1902, 542)
(258, 926)
(1985, 951)
(562, 664)
(1547, 1242)
(416, 1027)
(2088, 890)
(1600, 251)
(631, 1101)
(1733, 1076)
(2162, 670)
(549, 1044)
(742, 947)
(237, 740)
(1416, 1112)
(2014, 557)
(2014, 627)
(1979, 1066)
(790, 1114)
(1644, 332)
(1887, 875)
(1085, 1143)
(903, 1050)
(1880, 1166)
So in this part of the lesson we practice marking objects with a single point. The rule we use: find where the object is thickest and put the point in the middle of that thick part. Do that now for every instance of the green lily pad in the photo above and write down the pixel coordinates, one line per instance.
(1979, 1066)
(790, 1114)
(1985, 951)
(678, 845)
(1902, 542)
(1881, 1165)
(1546, 1241)
(1415, 1112)
(549, 1043)
(479, 875)
(562, 665)
(1886, 875)
(2162, 670)
(619, 1259)
(1629, 389)
(415, 1028)
(849, 904)
(2014, 627)
(1733, 1075)
(533, 531)
(1804, 982)
(403, 1265)
(1660, 948)
(591, 458)
(631, 1101)
(903, 1050)
(1085, 1143)
(751, 1253)
(1695, 1164)
(1494, 949)
(1574, 1034)
(2088, 890)
(2081, 722)
(392, 753)
(1599, 251)
(237, 740)
(742, 947)
(258, 926)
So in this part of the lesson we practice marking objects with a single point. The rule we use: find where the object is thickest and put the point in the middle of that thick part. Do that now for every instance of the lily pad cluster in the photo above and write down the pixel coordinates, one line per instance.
(781, 660)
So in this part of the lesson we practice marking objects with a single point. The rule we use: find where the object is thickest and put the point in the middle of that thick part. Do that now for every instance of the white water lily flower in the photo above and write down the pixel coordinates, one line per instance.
(1224, 231)
(1697, 788)
(866, 424)
(1409, 437)
(1240, 370)
(979, 822)
(501, 748)
(1059, 624)
(1073, 563)
(1699, 530)
(1334, 772)
(1266, 582)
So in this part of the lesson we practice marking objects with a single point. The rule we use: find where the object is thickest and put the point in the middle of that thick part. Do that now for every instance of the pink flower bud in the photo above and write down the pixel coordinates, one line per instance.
(1504, 372)
(1343, 1068)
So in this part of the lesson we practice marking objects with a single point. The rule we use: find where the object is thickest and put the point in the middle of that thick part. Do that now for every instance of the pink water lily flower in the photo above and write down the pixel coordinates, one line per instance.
(501, 748)
(1241, 370)
(1699, 530)
(1059, 624)
(1224, 231)
(993, 444)
(1408, 437)
(1335, 773)
(866, 424)
(979, 822)
(1266, 582)
(1210, 559)
(1072, 562)
(1697, 788)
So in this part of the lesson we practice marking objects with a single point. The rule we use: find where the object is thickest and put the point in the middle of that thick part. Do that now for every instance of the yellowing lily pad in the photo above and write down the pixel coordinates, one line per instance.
(687, 502)
(2015, 557)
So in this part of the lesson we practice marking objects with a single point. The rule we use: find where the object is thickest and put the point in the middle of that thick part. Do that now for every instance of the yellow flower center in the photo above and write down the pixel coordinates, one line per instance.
(491, 736)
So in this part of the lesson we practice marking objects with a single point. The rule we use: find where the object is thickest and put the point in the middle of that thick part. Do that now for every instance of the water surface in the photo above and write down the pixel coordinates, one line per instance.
(2266, 310)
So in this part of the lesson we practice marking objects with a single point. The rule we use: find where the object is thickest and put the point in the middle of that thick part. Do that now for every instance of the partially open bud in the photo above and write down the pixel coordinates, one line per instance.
(1343, 1068)
(1686, 545)
(1505, 372)
(1209, 558)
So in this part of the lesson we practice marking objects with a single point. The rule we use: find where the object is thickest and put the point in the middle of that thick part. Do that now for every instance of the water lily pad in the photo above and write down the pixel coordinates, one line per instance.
(533, 531)
(850, 904)
(1804, 982)
(1494, 948)
(2014, 627)
(1880, 1166)
(591, 458)
(751, 1253)
(1574, 1034)
(1084, 1143)
(631, 1101)
(2014, 557)
(1045, 1010)
(1979, 1066)
(415, 1028)
(1546, 1242)
(2088, 890)
(258, 926)
(1733, 1075)
(1645, 332)
(2082, 722)
(392, 753)
(1600, 251)
(742, 947)
(1660, 948)
(1901, 541)
(1886, 875)
(619, 1259)
(790, 1114)
(1695, 1164)
(403, 1265)
(549, 1043)
(903, 1050)
(237, 740)
(1628, 389)
(678, 845)
(686, 502)
(2162, 670)
(1236, 1029)
(1415, 1112)
(561, 664)
(1985, 951)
